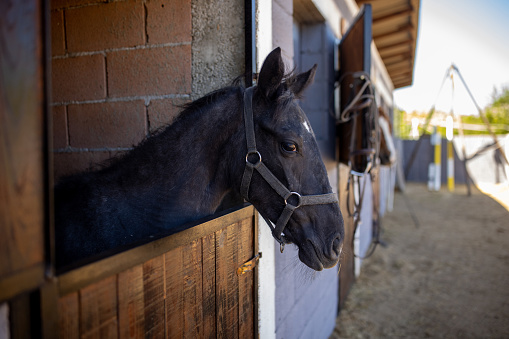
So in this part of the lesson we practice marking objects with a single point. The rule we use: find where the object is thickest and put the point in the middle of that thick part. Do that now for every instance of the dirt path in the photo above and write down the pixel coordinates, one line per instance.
(443, 274)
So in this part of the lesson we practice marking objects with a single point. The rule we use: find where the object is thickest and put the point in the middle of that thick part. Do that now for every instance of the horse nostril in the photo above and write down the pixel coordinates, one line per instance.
(336, 246)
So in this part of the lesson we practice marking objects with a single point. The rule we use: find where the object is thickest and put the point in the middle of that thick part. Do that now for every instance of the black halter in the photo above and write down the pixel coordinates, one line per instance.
(270, 178)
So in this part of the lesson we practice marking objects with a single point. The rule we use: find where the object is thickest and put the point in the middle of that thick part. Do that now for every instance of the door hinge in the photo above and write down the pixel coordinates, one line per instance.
(249, 265)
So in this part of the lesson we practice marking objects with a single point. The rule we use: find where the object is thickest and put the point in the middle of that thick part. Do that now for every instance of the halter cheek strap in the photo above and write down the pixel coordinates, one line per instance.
(254, 162)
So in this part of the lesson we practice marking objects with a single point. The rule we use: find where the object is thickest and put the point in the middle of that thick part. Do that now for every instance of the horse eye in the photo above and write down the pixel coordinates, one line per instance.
(289, 147)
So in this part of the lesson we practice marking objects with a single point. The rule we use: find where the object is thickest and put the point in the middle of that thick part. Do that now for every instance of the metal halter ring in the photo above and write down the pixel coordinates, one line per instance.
(299, 202)
(253, 152)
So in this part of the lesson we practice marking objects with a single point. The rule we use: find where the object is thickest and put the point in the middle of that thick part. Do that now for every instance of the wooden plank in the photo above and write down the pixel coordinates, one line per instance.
(376, 193)
(20, 317)
(192, 290)
(21, 281)
(226, 282)
(154, 297)
(347, 276)
(221, 284)
(131, 303)
(85, 275)
(22, 133)
(256, 280)
(209, 285)
(246, 281)
(49, 310)
(233, 284)
(98, 309)
(174, 293)
(69, 316)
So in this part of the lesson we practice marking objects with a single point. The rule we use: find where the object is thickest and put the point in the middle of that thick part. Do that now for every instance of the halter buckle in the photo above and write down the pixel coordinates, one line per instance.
(253, 153)
(299, 199)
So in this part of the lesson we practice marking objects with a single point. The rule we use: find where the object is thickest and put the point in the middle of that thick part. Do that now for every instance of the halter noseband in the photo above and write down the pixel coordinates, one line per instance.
(257, 164)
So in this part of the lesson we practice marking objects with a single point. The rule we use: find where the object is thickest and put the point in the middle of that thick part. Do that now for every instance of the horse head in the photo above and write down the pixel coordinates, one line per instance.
(297, 189)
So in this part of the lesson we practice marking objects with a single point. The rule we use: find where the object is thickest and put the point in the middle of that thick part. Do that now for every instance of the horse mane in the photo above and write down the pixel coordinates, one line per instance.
(286, 96)
(204, 101)
(188, 110)
(159, 136)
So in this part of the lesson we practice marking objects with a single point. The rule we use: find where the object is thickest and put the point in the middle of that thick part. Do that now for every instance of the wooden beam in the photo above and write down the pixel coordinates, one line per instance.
(401, 84)
(380, 20)
(397, 66)
(304, 11)
(28, 279)
(395, 44)
(402, 78)
(396, 59)
(400, 72)
(397, 36)
(394, 34)
(406, 27)
(394, 52)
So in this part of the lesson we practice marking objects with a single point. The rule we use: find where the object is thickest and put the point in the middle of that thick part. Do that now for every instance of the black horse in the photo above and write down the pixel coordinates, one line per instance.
(184, 172)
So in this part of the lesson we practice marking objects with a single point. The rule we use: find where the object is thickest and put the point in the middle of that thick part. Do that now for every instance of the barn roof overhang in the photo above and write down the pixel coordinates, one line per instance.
(395, 25)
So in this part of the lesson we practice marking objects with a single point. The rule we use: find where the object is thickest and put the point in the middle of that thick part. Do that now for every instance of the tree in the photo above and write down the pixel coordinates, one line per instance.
(498, 111)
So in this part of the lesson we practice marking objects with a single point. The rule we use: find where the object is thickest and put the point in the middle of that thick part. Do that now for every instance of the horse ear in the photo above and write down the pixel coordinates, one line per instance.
(302, 81)
(271, 74)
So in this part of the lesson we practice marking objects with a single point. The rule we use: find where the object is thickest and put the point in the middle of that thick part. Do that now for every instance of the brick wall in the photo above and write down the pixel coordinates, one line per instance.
(118, 70)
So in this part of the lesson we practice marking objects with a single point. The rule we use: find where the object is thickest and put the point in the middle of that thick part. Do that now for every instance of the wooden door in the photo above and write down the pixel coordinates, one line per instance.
(184, 286)
(355, 56)
(23, 151)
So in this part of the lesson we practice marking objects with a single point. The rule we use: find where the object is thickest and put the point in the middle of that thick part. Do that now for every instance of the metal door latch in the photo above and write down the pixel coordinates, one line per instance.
(249, 265)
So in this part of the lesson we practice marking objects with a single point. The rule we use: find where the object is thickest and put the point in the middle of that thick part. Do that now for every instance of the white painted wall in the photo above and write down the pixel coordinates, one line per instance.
(298, 289)
(4, 321)
(266, 244)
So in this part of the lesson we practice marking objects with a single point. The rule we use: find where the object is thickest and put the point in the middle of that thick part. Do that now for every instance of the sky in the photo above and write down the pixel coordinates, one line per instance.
(473, 35)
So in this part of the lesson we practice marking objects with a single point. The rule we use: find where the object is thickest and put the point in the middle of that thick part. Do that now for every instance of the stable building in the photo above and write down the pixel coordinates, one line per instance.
(85, 80)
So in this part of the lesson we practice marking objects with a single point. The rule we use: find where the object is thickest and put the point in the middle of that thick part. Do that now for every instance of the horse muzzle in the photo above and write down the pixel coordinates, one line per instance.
(320, 243)
(318, 257)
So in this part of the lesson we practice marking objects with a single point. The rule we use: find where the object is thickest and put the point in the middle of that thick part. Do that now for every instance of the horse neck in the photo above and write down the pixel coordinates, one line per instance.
(186, 170)
(209, 145)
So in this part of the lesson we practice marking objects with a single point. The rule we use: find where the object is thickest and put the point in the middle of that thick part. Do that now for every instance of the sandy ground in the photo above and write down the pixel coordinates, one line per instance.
(443, 274)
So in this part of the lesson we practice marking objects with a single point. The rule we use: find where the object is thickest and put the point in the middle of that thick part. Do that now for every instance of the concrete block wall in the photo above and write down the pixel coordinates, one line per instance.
(306, 300)
(218, 44)
(317, 47)
(118, 71)
(282, 34)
